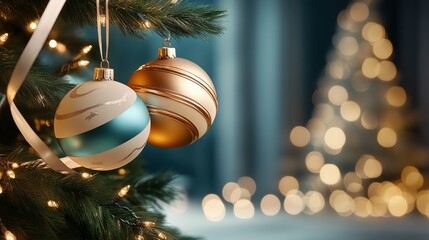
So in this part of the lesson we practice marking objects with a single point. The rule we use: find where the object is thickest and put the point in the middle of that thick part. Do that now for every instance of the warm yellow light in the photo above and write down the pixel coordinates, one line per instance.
(342, 203)
(3, 38)
(388, 71)
(86, 49)
(383, 48)
(15, 165)
(270, 205)
(162, 236)
(335, 138)
(397, 206)
(314, 202)
(83, 63)
(363, 207)
(11, 174)
(53, 204)
(350, 111)
(422, 202)
(348, 46)
(314, 161)
(247, 183)
(294, 204)
(337, 95)
(352, 182)
(227, 191)
(344, 21)
(396, 96)
(412, 177)
(147, 24)
(1, 189)
(86, 175)
(33, 25)
(330, 174)
(122, 171)
(372, 168)
(338, 70)
(368, 167)
(379, 206)
(299, 136)
(8, 235)
(386, 137)
(373, 32)
(53, 43)
(370, 68)
(325, 111)
(287, 184)
(124, 191)
(244, 209)
(213, 207)
(140, 237)
(359, 11)
(369, 121)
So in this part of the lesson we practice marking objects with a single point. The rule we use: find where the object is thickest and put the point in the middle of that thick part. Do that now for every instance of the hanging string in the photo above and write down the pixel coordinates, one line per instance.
(104, 59)
(167, 40)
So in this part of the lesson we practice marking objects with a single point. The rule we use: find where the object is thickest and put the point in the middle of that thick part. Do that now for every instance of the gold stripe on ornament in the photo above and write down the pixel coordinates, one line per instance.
(131, 153)
(187, 75)
(181, 99)
(188, 124)
(74, 94)
(78, 112)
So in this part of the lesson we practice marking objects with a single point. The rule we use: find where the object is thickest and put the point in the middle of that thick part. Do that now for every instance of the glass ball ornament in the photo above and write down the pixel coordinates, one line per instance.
(180, 96)
(102, 124)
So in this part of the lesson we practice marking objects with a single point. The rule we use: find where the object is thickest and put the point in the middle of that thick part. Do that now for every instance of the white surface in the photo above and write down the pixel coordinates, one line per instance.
(302, 227)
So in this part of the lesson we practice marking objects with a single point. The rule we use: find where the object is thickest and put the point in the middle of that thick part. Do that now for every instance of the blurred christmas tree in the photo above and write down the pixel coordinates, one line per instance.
(39, 203)
(359, 148)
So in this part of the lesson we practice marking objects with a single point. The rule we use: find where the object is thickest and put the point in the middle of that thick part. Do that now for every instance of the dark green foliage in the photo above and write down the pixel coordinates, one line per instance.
(88, 208)
(181, 19)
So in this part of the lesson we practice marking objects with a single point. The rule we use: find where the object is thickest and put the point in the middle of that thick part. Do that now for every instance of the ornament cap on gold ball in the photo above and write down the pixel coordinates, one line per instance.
(166, 53)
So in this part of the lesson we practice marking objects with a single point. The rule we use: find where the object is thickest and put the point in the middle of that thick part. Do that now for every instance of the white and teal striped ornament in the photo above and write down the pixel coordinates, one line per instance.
(102, 124)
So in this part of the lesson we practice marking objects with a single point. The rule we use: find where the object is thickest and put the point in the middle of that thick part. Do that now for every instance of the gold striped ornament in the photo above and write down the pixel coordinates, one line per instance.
(180, 97)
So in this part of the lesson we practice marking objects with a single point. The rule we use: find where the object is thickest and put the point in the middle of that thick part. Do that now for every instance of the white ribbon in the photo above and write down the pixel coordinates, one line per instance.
(100, 38)
(19, 74)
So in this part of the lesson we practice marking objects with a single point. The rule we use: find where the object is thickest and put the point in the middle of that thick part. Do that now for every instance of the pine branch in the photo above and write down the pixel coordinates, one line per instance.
(181, 19)
(86, 208)
(40, 85)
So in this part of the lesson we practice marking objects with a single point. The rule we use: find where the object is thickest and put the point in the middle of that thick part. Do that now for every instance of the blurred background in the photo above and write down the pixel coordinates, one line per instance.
(322, 129)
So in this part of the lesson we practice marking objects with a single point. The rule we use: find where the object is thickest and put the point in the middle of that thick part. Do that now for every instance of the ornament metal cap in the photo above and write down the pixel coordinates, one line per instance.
(103, 74)
(166, 53)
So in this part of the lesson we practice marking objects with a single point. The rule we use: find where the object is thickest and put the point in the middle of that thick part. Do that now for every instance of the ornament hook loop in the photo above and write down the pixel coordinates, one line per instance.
(167, 41)
(104, 61)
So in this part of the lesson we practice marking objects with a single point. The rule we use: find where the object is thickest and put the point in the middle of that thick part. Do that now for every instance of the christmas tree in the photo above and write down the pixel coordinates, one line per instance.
(358, 146)
(37, 202)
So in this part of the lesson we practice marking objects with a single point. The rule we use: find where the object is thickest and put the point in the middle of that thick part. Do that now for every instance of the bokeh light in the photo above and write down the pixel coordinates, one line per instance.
(287, 184)
(363, 207)
(371, 67)
(397, 206)
(348, 46)
(337, 95)
(383, 49)
(388, 71)
(314, 201)
(342, 203)
(387, 137)
(213, 208)
(299, 136)
(368, 167)
(335, 138)
(294, 203)
(359, 11)
(369, 120)
(270, 205)
(412, 177)
(330, 174)
(350, 111)
(396, 96)
(373, 32)
(244, 209)
(247, 183)
(227, 192)
(314, 161)
(352, 182)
